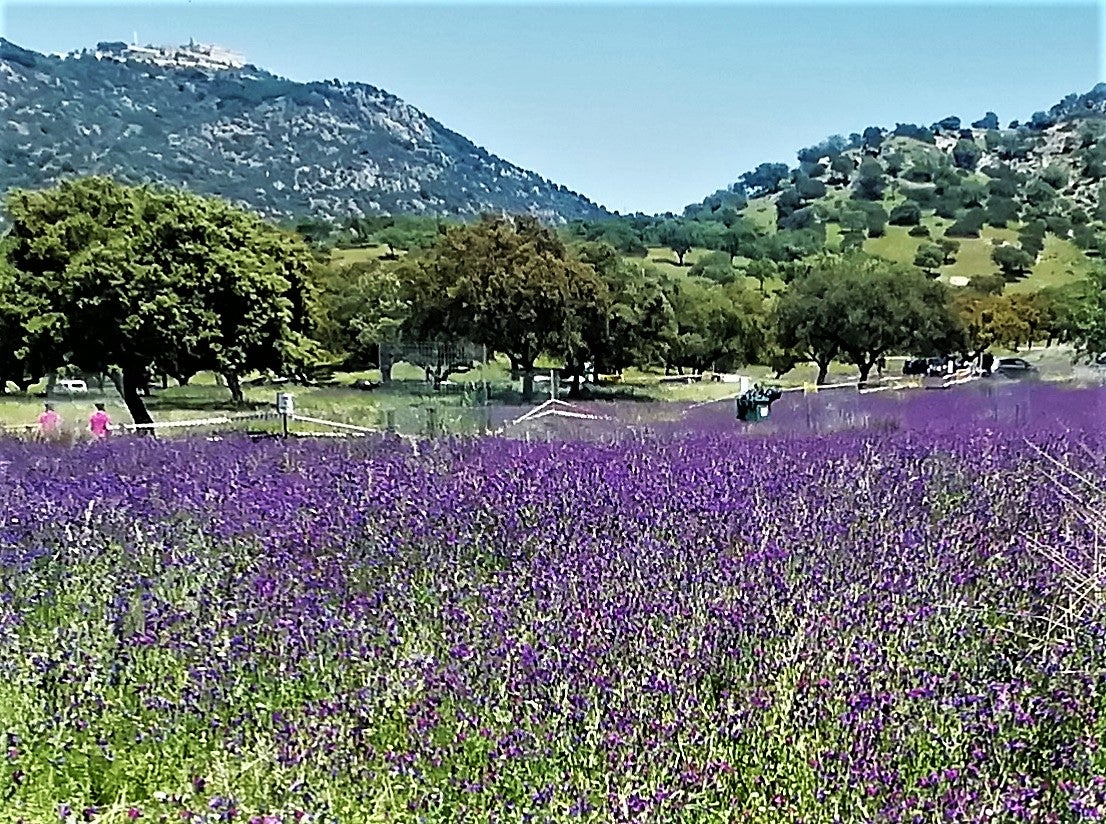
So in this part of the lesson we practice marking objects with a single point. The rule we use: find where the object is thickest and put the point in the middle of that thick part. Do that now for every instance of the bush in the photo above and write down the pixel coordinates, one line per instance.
(1058, 225)
(968, 224)
(1055, 176)
(1000, 211)
(906, 214)
(965, 154)
(919, 231)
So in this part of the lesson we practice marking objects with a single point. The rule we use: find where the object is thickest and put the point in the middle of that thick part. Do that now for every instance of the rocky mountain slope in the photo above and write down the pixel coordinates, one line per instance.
(189, 117)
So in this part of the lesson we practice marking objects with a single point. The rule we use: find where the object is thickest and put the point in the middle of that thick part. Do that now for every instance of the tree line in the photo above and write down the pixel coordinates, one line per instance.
(141, 281)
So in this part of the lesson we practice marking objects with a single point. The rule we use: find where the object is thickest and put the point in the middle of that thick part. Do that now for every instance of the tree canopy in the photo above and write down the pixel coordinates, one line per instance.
(861, 308)
(511, 285)
(145, 279)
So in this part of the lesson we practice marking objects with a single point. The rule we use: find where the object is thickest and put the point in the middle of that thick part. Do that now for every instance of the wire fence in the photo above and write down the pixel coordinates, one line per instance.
(890, 404)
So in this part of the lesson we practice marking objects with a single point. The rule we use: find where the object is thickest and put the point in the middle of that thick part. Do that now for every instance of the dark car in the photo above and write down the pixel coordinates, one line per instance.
(1014, 366)
(915, 366)
(1100, 360)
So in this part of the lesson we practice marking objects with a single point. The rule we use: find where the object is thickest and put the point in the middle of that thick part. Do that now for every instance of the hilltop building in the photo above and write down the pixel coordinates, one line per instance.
(194, 55)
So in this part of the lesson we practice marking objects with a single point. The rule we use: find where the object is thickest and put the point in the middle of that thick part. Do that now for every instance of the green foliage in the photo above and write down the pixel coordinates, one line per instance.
(153, 280)
(1088, 317)
(906, 214)
(809, 188)
(966, 154)
(1039, 192)
(988, 121)
(870, 180)
(640, 326)
(677, 236)
(510, 285)
(969, 224)
(716, 267)
(948, 248)
(767, 178)
(842, 167)
(861, 308)
(919, 133)
(719, 327)
(1012, 261)
(929, 257)
(1032, 237)
(1000, 211)
(1055, 176)
(362, 305)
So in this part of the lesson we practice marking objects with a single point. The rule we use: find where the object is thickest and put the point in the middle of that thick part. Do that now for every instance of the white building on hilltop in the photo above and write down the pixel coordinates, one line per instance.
(194, 55)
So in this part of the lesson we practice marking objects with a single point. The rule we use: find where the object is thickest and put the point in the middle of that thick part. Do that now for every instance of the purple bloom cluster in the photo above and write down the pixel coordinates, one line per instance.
(884, 624)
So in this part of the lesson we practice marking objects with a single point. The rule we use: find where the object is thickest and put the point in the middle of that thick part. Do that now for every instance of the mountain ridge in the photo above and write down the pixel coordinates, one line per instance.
(326, 149)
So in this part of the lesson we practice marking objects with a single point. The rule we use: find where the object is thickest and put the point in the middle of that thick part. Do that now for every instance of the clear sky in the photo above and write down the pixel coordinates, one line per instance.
(641, 107)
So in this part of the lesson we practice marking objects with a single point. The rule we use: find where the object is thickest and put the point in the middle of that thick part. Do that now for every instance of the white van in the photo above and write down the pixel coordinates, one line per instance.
(71, 387)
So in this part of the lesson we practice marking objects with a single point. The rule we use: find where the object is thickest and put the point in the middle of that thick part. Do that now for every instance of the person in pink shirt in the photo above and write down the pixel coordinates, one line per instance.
(49, 422)
(99, 423)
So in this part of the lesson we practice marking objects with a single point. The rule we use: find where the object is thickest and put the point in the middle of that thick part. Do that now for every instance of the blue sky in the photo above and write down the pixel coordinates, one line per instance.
(641, 107)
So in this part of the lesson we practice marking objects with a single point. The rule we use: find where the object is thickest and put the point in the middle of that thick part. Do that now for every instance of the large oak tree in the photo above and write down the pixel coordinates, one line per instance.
(862, 308)
(509, 284)
(143, 280)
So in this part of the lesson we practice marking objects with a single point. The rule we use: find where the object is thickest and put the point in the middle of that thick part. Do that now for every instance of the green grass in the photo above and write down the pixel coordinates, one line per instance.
(1061, 262)
(761, 212)
(345, 257)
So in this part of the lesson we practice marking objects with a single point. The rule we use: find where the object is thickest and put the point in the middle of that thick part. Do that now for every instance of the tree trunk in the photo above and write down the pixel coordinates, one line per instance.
(385, 361)
(235, 387)
(823, 373)
(527, 383)
(865, 369)
(128, 382)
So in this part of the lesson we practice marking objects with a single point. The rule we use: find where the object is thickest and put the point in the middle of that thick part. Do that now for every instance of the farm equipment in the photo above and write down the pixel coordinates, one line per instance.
(756, 404)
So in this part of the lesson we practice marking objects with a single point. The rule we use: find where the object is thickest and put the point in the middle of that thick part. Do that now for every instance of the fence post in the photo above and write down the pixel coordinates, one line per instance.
(431, 421)
(390, 420)
(286, 408)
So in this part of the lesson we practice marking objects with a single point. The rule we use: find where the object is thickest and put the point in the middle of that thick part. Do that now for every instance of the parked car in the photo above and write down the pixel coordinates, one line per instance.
(915, 366)
(1100, 360)
(1014, 366)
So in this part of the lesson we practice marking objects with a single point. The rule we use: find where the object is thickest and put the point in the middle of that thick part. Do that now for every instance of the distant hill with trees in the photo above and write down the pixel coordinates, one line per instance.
(285, 149)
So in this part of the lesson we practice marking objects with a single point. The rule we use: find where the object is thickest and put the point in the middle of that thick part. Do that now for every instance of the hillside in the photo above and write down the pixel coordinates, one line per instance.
(1027, 201)
(203, 119)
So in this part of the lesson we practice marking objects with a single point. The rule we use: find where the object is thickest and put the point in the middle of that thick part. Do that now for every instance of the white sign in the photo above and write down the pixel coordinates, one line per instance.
(285, 405)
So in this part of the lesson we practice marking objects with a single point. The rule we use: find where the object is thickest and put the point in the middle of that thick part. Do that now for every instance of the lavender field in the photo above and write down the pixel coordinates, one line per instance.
(897, 619)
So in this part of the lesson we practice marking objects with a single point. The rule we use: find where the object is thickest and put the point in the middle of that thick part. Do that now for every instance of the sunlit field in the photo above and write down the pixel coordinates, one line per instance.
(885, 610)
